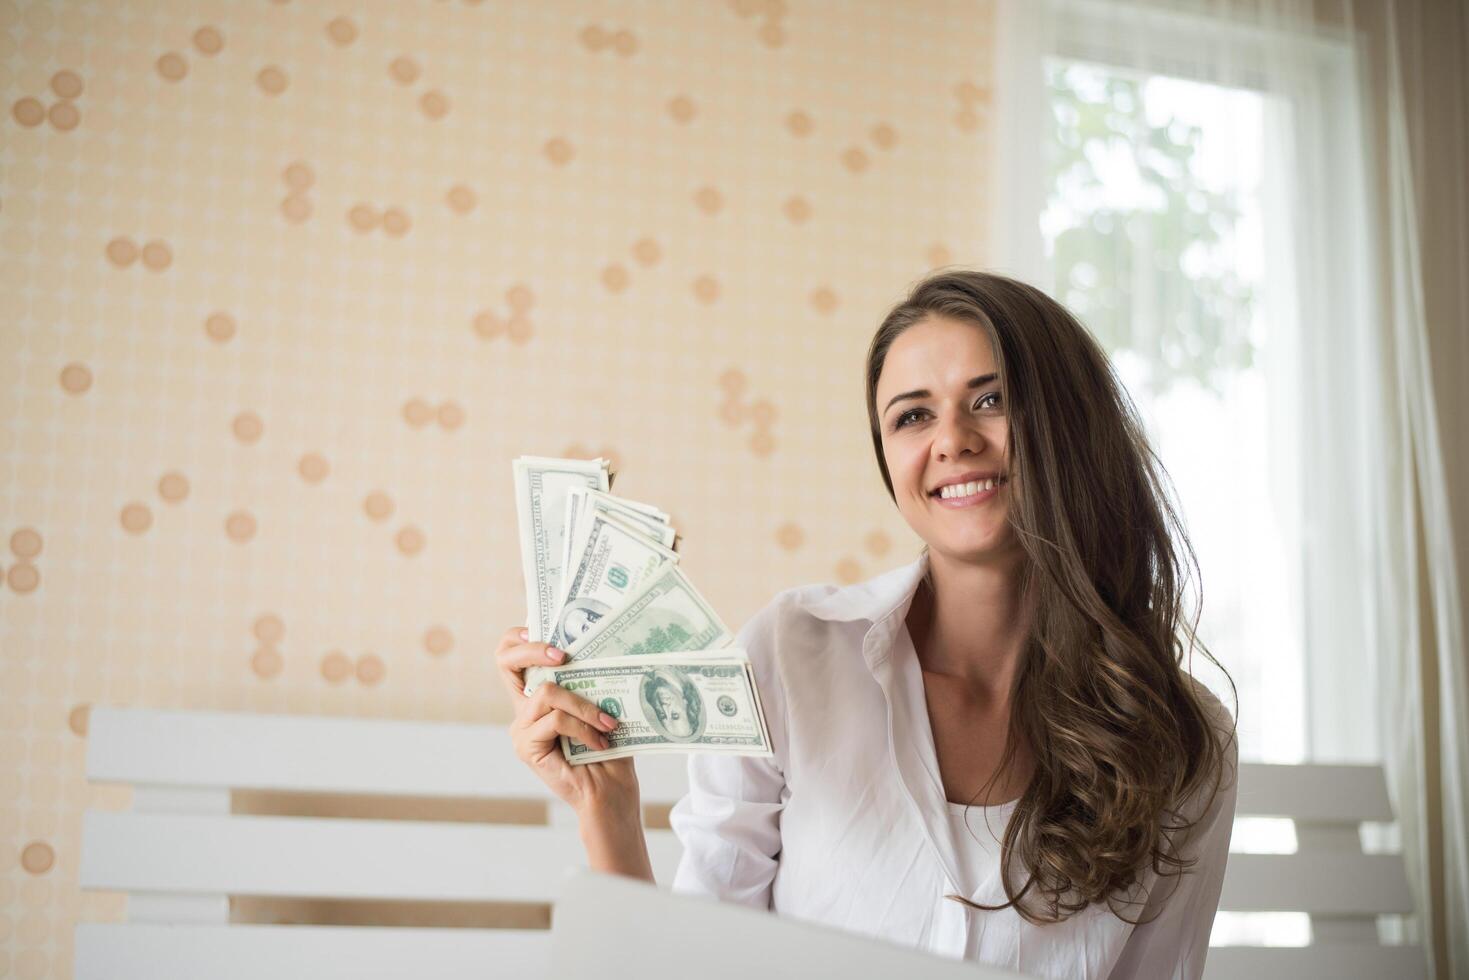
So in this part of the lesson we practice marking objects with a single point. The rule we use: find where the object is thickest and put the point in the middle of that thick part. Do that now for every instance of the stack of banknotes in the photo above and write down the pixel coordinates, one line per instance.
(602, 582)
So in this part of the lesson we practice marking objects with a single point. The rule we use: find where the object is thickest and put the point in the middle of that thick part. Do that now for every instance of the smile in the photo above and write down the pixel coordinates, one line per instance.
(959, 495)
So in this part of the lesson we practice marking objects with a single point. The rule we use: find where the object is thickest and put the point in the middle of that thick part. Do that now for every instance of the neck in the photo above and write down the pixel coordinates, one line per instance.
(969, 621)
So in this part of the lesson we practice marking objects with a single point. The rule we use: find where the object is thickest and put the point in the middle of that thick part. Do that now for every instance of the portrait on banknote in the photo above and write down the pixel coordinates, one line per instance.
(674, 708)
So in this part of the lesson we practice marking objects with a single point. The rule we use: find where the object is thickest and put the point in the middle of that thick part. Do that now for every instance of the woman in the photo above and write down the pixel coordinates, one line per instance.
(993, 752)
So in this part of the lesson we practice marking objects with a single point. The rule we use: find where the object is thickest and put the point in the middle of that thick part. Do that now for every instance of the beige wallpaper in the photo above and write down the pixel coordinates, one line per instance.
(285, 286)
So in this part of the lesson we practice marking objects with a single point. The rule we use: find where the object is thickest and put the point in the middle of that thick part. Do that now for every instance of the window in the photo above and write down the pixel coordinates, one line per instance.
(1153, 229)
(1182, 189)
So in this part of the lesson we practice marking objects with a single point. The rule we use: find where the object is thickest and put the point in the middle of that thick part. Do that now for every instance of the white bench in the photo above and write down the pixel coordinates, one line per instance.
(243, 822)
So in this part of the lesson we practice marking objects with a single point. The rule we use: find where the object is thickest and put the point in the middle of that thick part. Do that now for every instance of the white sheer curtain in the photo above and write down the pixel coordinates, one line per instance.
(1355, 458)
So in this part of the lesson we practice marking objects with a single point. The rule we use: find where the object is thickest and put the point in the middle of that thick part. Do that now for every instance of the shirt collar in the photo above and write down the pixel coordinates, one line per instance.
(874, 599)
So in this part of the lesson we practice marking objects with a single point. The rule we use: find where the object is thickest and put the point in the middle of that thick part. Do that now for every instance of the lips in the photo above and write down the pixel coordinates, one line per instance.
(973, 476)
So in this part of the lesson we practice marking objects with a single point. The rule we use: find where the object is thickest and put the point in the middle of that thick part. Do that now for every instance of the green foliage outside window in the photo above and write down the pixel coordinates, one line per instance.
(1148, 269)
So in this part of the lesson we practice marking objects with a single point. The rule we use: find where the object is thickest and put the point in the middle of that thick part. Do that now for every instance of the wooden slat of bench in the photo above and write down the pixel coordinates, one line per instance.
(1337, 884)
(249, 952)
(1315, 792)
(300, 856)
(1338, 962)
(239, 750)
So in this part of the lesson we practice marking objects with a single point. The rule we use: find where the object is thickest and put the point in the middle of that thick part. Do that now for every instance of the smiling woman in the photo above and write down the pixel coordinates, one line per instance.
(1054, 582)
(1025, 670)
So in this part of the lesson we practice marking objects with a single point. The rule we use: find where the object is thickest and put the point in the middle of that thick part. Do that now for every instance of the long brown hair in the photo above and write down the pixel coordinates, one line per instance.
(1120, 735)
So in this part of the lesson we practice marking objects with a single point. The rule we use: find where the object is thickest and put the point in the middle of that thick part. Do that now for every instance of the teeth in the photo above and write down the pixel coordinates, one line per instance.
(968, 489)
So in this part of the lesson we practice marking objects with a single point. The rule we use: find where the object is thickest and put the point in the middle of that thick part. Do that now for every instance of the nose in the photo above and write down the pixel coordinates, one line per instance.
(957, 435)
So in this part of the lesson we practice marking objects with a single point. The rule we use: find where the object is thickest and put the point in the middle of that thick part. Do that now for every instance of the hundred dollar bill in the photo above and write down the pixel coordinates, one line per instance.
(614, 560)
(673, 702)
(581, 502)
(666, 613)
(541, 487)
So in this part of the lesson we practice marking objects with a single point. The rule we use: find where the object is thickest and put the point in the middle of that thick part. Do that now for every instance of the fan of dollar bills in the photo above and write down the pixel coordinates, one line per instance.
(602, 583)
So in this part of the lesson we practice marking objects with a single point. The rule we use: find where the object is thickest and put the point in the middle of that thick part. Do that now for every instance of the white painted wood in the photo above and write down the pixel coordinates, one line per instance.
(306, 856)
(329, 755)
(1340, 838)
(169, 907)
(180, 799)
(258, 952)
(1329, 931)
(1320, 793)
(180, 853)
(678, 936)
(1322, 884)
(1356, 962)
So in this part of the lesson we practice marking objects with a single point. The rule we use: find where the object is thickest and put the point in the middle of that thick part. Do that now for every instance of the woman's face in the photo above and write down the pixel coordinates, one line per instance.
(942, 419)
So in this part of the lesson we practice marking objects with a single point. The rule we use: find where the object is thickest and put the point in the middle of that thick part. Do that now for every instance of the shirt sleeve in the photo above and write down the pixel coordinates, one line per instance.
(1175, 942)
(729, 821)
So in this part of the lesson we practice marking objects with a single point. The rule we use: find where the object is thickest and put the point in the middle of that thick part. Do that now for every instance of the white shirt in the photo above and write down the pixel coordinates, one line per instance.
(848, 824)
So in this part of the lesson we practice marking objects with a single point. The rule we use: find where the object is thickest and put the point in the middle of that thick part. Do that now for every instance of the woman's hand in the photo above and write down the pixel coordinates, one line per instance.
(598, 790)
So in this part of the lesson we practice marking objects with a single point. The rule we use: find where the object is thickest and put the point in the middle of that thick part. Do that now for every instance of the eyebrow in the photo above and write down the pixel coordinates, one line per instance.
(983, 379)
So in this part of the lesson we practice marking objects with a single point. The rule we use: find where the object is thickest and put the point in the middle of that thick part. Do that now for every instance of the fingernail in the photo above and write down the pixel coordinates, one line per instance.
(525, 634)
(608, 722)
(554, 655)
(602, 743)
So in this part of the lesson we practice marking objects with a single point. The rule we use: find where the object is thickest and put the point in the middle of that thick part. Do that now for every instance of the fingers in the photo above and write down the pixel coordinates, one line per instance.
(558, 722)
(521, 655)
(514, 654)
(549, 698)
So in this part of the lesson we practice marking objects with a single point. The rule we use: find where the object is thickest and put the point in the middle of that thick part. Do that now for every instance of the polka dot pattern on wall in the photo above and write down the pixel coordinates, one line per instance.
(789, 536)
(378, 506)
(173, 487)
(298, 178)
(336, 667)
(240, 526)
(734, 411)
(682, 109)
(76, 378)
(596, 39)
(156, 256)
(172, 67)
(272, 80)
(706, 289)
(797, 209)
(254, 212)
(410, 540)
(461, 199)
(313, 467)
(208, 41)
(404, 70)
(438, 641)
(220, 327)
(615, 277)
(136, 518)
(37, 857)
(938, 255)
(973, 101)
(799, 123)
(559, 151)
(370, 669)
(341, 31)
(247, 427)
(770, 15)
(709, 200)
(646, 252)
(848, 571)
